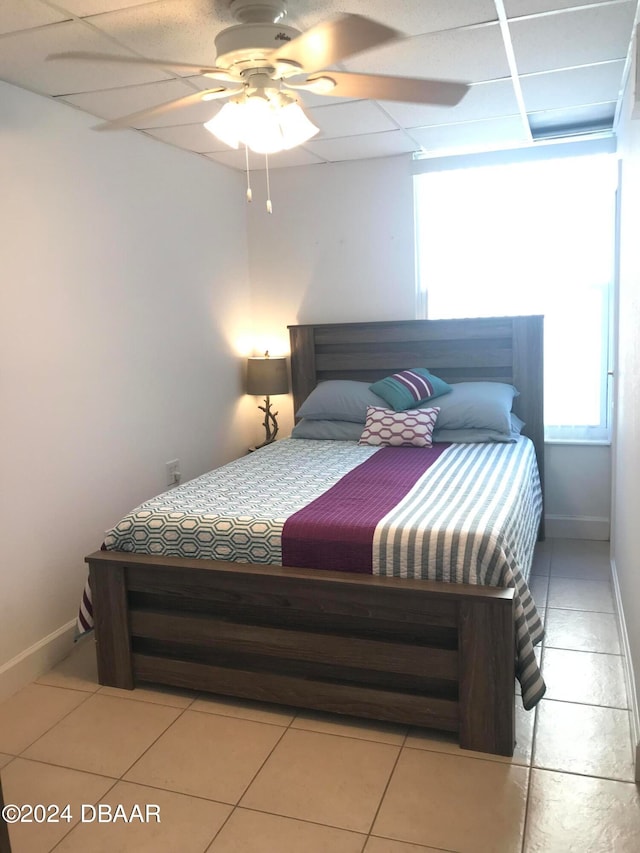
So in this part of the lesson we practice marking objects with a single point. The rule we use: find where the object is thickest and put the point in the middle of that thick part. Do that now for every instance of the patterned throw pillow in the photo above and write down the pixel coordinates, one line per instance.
(409, 388)
(412, 428)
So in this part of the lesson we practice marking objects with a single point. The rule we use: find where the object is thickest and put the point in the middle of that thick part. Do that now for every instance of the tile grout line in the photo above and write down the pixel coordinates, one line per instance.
(117, 780)
(98, 799)
(236, 805)
(534, 736)
(560, 772)
(386, 787)
(46, 731)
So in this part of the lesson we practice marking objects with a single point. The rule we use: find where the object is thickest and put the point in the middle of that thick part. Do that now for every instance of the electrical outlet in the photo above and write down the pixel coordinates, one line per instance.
(173, 472)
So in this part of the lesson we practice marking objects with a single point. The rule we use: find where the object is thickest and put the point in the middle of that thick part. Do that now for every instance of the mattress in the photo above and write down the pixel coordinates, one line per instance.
(459, 513)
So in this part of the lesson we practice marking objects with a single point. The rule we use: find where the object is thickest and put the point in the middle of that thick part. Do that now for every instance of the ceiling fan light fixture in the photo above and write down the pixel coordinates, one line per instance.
(260, 129)
(225, 124)
(295, 125)
(265, 125)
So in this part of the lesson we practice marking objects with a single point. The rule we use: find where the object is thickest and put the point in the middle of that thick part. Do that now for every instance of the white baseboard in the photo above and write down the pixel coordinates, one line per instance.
(632, 693)
(576, 527)
(36, 660)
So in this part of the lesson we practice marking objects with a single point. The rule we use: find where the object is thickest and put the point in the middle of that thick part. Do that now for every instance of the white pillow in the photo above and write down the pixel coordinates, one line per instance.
(388, 428)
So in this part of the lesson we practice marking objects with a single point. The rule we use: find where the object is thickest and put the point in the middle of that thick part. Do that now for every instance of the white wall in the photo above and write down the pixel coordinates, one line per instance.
(577, 490)
(340, 246)
(626, 488)
(124, 292)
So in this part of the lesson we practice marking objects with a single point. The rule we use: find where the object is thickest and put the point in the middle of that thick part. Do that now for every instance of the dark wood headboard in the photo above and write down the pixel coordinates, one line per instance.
(501, 349)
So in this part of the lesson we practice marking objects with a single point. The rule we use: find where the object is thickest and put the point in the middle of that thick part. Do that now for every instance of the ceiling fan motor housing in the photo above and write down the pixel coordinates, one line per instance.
(258, 11)
(248, 45)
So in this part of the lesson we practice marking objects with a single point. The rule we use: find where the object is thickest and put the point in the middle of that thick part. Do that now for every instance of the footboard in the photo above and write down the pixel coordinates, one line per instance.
(408, 651)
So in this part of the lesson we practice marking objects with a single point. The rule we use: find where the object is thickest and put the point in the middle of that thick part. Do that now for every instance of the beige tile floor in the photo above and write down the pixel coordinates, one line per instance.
(237, 777)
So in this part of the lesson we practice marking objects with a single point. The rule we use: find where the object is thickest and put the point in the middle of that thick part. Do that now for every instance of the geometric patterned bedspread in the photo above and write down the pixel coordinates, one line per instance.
(472, 517)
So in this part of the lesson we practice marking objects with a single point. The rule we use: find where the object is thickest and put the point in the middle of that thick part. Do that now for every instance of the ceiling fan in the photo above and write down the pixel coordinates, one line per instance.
(263, 63)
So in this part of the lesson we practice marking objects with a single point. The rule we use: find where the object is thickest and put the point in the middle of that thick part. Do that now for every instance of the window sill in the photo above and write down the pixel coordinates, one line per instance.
(580, 442)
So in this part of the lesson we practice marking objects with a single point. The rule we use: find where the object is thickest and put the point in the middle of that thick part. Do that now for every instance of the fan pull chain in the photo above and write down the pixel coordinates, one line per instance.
(246, 159)
(269, 205)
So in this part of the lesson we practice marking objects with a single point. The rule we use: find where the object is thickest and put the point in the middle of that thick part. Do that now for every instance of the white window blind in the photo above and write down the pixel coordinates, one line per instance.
(530, 238)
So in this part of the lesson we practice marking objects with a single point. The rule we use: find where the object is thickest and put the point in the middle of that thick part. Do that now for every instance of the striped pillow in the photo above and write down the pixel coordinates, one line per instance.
(386, 428)
(409, 388)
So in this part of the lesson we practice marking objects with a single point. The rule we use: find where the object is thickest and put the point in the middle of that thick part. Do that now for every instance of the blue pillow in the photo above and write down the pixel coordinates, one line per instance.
(339, 400)
(480, 436)
(410, 388)
(327, 430)
(477, 405)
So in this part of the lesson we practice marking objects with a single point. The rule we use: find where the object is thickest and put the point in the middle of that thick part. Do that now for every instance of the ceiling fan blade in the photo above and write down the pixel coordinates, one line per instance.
(333, 41)
(127, 121)
(378, 87)
(210, 71)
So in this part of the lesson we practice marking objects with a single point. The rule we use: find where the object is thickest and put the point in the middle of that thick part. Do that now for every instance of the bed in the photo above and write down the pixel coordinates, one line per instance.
(403, 649)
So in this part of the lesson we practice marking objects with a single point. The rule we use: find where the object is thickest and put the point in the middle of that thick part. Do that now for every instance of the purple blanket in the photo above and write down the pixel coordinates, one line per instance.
(335, 531)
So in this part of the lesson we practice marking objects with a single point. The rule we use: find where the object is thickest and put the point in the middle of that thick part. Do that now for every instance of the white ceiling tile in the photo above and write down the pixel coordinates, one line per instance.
(362, 147)
(591, 84)
(230, 157)
(472, 135)
(116, 103)
(22, 61)
(514, 8)
(193, 137)
(575, 37)
(571, 121)
(483, 100)
(257, 162)
(82, 8)
(409, 16)
(468, 55)
(350, 118)
(22, 14)
(177, 30)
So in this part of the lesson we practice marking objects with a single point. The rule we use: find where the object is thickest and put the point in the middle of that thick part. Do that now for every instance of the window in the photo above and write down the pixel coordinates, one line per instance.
(532, 237)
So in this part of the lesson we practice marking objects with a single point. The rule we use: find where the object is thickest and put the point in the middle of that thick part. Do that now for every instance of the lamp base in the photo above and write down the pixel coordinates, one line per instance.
(270, 423)
(259, 446)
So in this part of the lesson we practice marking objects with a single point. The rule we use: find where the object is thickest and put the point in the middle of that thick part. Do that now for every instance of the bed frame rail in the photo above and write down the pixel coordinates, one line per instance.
(412, 652)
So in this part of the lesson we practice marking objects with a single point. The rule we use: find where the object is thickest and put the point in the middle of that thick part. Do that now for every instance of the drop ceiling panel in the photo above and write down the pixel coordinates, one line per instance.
(575, 37)
(22, 62)
(257, 162)
(468, 55)
(351, 118)
(484, 100)
(83, 8)
(362, 147)
(115, 103)
(178, 30)
(22, 14)
(411, 17)
(472, 135)
(192, 137)
(589, 85)
(515, 8)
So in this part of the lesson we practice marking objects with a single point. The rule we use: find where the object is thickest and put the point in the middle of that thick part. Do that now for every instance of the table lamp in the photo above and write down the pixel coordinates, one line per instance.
(267, 376)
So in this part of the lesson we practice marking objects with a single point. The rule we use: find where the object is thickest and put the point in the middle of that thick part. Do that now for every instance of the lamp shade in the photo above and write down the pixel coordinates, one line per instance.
(267, 376)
